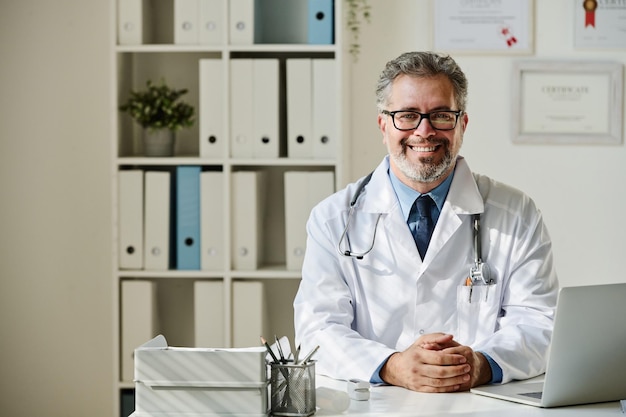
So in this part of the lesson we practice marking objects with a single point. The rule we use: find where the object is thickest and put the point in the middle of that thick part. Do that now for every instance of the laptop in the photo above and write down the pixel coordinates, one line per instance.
(587, 356)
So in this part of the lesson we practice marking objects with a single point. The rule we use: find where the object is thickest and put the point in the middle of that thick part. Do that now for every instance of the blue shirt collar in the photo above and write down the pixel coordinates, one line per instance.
(406, 195)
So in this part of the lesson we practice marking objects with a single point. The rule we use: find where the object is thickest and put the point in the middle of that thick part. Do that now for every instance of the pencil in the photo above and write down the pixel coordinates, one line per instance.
(284, 371)
(307, 357)
(269, 350)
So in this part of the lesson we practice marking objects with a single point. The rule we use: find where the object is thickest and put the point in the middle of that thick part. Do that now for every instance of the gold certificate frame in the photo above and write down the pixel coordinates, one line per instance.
(567, 102)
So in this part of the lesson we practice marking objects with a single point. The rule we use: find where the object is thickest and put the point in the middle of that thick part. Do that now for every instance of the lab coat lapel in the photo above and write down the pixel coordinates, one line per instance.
(394, 239)
(463, 199)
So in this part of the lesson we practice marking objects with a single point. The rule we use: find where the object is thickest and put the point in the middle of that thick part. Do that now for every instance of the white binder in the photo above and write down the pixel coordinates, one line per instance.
(303, 190)
(211, 220)
(299, 108)
(247, 221)
(211, 22)
(241, 22)
(250, 313)
(198, 22)
(186, 21)
(133, 22)
(241, 108)
(211, 109)
(157, 220)
(209, 313)
(138, 320)
(324, 90)
(130, 200)
(265, 98)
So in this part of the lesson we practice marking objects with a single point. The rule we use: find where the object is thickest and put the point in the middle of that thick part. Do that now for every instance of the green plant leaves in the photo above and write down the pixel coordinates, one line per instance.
(158, 107)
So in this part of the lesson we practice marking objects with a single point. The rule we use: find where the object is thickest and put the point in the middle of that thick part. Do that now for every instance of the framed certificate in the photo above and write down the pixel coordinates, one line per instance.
(599, 24)
(567, 102)
(474, 26)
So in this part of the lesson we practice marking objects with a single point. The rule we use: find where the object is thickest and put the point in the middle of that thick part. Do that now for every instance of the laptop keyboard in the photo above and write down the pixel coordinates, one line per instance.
(536, 395)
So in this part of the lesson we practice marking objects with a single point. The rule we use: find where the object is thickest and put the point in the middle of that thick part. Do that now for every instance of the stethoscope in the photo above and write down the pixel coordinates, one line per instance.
(479, 272)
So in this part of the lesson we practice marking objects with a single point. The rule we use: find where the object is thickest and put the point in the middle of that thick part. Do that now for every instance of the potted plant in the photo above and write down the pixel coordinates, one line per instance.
(160, 112)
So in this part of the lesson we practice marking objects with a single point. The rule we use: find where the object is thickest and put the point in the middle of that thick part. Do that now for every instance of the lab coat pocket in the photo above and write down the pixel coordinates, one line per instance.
(477, 312)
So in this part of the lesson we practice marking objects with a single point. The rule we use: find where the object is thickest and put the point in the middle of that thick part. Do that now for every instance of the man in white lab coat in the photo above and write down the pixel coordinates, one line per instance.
(414, 317)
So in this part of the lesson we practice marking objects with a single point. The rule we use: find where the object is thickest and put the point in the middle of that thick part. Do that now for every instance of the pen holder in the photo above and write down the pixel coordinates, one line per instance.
(292, 389)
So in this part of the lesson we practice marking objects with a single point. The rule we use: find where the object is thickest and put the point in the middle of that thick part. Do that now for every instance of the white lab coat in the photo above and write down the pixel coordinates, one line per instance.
(361, 311)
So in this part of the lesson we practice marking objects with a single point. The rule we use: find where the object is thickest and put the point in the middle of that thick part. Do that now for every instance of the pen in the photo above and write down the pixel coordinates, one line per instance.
(280, 350)
(307, 357)
(469, 283)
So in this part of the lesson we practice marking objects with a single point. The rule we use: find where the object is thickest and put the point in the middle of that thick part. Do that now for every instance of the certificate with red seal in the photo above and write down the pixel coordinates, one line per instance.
(483, 26)
(599, 23)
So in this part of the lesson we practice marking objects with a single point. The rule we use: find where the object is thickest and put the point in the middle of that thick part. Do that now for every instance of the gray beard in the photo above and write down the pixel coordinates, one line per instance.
(427, 171)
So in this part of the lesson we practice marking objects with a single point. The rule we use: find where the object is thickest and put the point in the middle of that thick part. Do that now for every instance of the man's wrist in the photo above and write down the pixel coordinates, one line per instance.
(386, 373)
(496, 370)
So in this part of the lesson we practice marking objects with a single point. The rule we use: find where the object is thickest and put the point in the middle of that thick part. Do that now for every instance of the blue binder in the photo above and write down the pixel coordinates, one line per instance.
(320, 22)
(188, 217)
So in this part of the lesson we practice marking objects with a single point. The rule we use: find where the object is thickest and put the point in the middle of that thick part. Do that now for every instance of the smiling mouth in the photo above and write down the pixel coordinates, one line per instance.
(422, 148)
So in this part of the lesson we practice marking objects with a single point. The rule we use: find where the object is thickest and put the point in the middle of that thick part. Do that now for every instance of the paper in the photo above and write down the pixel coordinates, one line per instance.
(502, 26)
(599, 24)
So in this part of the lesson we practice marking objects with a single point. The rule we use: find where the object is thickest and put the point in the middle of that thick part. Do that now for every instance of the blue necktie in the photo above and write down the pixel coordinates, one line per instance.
(421, 222)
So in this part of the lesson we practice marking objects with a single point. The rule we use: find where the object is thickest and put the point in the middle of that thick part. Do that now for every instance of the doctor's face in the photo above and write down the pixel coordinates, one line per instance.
(422, 157)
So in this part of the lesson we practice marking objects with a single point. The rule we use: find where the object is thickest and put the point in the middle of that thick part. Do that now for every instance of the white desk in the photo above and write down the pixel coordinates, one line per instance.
(396, 402)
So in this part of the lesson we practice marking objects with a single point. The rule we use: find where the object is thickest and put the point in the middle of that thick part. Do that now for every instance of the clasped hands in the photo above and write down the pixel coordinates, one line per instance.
(436, 363)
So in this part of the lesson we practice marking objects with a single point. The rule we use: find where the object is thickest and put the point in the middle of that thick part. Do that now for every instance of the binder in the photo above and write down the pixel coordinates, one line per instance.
(320, 22)
(188, 217)
(299, 108)
(130, 195)
(324, 90)
(133, 22)
(281, 22)
(250, 313)
(127, 402)
(186, 21)
(247, 210)
(212, 220)
(208, 304)
(241, 22)
(241, 108)
(265, 98)
(303, 190)
(210, 24)
(198, 22)
(138, 320)
(211, 108)
(157, 220)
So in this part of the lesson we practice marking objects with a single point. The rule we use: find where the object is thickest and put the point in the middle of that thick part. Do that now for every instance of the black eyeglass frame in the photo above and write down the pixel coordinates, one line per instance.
(423, 116)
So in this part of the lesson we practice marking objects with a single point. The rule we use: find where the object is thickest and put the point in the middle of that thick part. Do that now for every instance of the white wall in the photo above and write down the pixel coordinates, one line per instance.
(580, 189)
(55, 240)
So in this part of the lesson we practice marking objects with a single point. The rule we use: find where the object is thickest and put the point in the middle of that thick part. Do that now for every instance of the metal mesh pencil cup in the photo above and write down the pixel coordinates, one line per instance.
(292, 389)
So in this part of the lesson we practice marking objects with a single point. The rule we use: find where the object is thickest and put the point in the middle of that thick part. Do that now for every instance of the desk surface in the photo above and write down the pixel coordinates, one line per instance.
(397, 402)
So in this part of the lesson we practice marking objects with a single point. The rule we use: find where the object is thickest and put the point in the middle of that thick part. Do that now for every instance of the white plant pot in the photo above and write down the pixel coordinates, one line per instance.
(158, 142)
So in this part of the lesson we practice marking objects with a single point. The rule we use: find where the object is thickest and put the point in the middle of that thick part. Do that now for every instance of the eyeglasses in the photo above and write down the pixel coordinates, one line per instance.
(410, 120)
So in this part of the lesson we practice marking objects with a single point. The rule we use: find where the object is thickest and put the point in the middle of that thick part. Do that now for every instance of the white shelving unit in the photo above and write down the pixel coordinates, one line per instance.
(159, 57)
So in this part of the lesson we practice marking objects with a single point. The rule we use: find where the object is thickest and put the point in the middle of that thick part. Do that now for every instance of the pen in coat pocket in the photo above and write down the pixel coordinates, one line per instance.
(469, 283)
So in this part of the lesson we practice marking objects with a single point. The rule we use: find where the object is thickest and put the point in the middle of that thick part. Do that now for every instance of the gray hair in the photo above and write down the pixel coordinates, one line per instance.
(422, 64)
